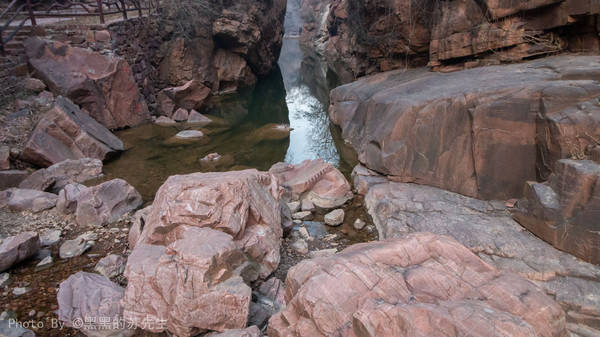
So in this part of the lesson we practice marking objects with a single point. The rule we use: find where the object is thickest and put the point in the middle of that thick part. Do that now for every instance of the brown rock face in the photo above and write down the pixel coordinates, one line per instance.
(190, 286)
(106, 203)
(243, 204)
(188, 96)
(102, 85)
(565, 211)
(480, 132)
(420, 285)
(488, 230)
(66, 132)
(358, 38)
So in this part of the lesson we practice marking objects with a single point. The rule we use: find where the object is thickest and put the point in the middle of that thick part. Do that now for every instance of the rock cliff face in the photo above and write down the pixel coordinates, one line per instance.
(480, 132)
(359, 38)
(221, 45)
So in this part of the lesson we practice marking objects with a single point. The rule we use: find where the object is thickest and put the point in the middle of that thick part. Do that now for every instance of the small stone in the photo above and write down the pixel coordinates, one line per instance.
(335, 217)
(78, 246)
(302, 215)
(111, 266)
(33, 84)
(304, 233)
(181, 115)
(50, 237)
(300, 246)
(31, 313)
(359, 224)
(4, 279)
(20, 291)
(297, 222)
(294, 206)
(164, 121)
(45, 263)
(198, 118)
(307, 205)
(190, 134)
(323, 253)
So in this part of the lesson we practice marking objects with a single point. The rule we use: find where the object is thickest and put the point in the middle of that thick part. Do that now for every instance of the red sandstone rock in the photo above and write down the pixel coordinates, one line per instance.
(318, 181)
(106, 203)
(480, 132)
(66, 132)
(57, 176)
(191, 285)
(232, 72)
(18, 248)
(565, 211)
(102, 85)
(244, 204)
(420, 285)
(189, 96)
(91, 304)
(180, 115)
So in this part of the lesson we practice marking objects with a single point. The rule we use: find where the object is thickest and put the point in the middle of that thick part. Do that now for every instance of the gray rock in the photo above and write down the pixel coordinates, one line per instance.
(8, 328)
(57, 176)
(20, 291)
(300, 246)
(294, 206)
(77, 246)
(67, 198)
(304, 233)
(45, 263)
(302, 215)
(322, 253)
(359, 224)
(50, 237)
(139, 221)
(106, 203)
(335, 217)
(18, 248)
(4, 279)
(198, 118)
(190, 134)
(111, 266)
(164, 121)
(18, 200)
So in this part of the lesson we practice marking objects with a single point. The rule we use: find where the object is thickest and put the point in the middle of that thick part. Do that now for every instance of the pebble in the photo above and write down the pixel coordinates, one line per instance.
(359, 224)
(302, 215)
(4, 278)
(50, 237)
(300, 246)
(20, 291)
(45, 263)
(304, 233)
(335, 217)
(78, 246)
(294, 206)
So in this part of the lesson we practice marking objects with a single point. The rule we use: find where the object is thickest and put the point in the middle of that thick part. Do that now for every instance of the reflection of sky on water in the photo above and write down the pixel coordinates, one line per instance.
(311, 138)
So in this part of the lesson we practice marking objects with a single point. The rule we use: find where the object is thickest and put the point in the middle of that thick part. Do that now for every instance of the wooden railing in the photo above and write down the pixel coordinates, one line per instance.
(29, 10)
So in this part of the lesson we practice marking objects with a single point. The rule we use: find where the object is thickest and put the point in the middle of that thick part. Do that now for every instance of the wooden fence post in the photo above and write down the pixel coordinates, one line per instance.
(100, 11)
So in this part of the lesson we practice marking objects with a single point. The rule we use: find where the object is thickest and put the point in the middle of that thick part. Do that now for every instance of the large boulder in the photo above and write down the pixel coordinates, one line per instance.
(565, 211)
(189, 96)
(243, 204)
(18, 200)
(487, 229)
(481, 132)
(66, 132)
(106, 203)
(102, 85)
(18, 248)
(191, 285)
(420, 285)
(91, 303)
(57, 176)
(313, 180)
(67, 198)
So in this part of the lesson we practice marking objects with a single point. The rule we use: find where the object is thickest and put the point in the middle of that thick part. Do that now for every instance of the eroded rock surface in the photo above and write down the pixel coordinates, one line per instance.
(488, 230)
(102, 85)
(66, 132)
(57, 176)
(481, 132)
(565, 211)
(106, 203)
(420, 285)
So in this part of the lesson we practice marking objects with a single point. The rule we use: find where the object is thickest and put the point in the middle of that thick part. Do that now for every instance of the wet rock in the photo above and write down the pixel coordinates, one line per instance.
(244, 204)
(139, 221)
(268, 132)
(102, 85)
(18, 200)
(209, 295)
(489, 231)
(198, 119)
(307, 205)
(190, 134)
(33, 84)
(106, 203)
(359, 224)
(294, 206)
(300, 246)
(12, 178)
(232, 71)
(4, 158)
(564, 211)
(91, 303)
(164, 121)
(252, 331)
(110, 266)
(335, 217)
(214, 161)
(18, 248)
(4, 279)
(306, 215)
(191, 95)
(490, 120)
(50, 237)
(181, 115)
(8, 328)
(56, 177)
(66, 132)
(77, 246)
(319, 182)
(67, 198)
(392, 288)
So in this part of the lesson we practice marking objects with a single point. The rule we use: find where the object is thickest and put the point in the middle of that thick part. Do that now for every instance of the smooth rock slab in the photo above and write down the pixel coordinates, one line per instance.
(106, 203)
(18, 200)
(420, 285)
(88, 302)
(487, 229)
(18, 248)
